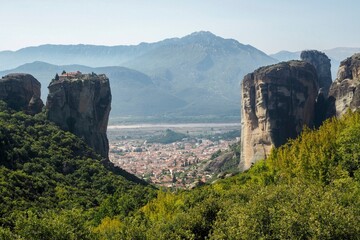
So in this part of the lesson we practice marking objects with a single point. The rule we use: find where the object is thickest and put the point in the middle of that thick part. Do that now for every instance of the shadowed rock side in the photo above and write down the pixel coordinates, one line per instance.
(345, 90)
(21, 92)
(278, 100)
(81, 103)
(322, 64)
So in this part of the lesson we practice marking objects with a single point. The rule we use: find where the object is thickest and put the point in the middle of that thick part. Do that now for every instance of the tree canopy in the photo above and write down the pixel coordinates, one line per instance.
(54, 187)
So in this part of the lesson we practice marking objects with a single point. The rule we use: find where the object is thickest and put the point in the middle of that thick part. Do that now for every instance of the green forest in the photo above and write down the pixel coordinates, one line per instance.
(54, 187)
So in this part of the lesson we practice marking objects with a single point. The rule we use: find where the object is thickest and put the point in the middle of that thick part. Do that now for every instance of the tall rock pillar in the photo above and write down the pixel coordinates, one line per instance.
(81, 103)
(322, 64)
(277, 101)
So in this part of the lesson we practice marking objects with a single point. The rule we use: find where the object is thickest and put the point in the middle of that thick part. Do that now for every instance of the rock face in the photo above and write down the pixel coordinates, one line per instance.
(21, 92)
(81, 103)
(322, 64)
(345, 90)
(278, 100)
(323, 68)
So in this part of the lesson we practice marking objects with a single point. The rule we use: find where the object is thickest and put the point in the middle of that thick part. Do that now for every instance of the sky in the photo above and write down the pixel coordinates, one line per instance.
(269, 25)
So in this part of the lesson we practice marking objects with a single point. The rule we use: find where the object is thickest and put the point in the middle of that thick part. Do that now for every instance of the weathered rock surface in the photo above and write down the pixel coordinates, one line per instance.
(278, 100)
(81, 103)
(345, 91)
(322, 64)
(21, 92)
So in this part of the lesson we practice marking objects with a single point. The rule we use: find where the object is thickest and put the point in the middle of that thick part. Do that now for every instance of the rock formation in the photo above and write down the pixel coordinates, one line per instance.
(21, 92)
(323, 68)
(81, 103)
(345, 90)
(322, 64)
(278, 100)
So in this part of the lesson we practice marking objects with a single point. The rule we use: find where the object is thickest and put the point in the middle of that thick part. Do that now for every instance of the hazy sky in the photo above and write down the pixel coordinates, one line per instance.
(270, 25)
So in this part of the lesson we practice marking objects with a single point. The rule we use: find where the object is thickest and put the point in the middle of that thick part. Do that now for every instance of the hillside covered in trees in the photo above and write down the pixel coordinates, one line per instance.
(54, 187)
(307, 189)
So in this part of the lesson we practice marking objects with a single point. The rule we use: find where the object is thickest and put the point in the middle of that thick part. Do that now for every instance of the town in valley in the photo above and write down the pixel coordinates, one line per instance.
(177, 158)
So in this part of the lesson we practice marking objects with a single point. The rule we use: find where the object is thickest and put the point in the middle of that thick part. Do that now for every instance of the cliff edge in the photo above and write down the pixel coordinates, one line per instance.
(278, 100)
(81, 103)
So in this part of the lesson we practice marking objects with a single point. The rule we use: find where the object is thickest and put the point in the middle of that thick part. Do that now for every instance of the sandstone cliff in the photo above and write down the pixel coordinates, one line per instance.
(323, 68)
(322, 64)
(278, 100)
(345, 91)
(80, 103)
(21, 92)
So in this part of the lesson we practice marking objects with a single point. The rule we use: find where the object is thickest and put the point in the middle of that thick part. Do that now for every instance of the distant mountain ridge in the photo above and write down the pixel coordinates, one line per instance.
(101, 55)
(196, 75)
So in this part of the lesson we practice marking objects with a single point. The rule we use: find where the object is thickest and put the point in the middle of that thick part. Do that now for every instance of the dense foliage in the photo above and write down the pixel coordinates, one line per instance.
(307, 189)
(53, 186)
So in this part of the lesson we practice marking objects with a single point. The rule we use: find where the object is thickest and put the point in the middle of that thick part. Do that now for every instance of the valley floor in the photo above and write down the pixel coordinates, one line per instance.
(177, 164)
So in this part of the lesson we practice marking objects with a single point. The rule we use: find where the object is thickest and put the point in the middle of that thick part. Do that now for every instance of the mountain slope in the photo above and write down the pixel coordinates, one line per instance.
(202, 61)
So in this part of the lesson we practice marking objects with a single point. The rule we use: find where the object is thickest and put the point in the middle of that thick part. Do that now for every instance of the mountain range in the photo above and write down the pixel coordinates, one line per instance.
(197, 75)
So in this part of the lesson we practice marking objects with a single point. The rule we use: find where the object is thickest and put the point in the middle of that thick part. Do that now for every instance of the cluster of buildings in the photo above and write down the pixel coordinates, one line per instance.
(70, 75)
(178, 164)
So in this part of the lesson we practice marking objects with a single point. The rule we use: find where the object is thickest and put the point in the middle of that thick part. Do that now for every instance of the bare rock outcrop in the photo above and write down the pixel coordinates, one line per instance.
(21, 92)
(322, 64)
(277, 101)
(81, 103)
(345, 91)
